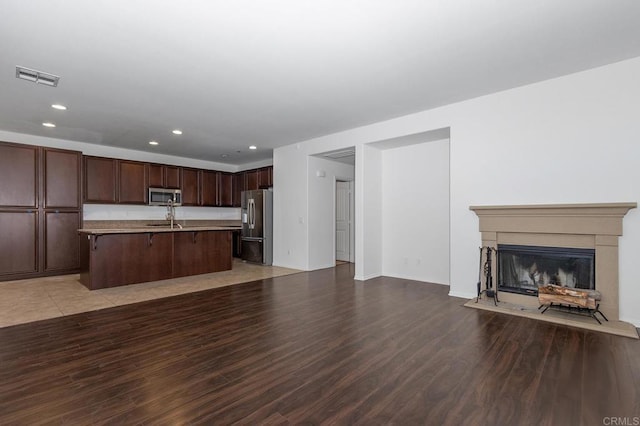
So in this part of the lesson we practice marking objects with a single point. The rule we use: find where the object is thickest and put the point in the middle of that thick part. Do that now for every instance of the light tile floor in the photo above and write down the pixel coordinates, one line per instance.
(29, 300)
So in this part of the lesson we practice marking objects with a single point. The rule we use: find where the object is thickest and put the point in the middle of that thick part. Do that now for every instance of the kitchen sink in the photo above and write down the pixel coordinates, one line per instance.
(175, 226)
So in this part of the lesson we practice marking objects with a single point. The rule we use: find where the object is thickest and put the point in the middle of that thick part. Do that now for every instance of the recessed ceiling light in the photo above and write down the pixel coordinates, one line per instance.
(153, 143)
(59, 106)
(253, 147)
(47, 124)
(224, 155)
(177, 132)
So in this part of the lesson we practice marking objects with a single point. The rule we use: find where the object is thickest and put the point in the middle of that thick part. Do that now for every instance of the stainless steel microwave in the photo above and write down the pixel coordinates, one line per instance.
(161, 196)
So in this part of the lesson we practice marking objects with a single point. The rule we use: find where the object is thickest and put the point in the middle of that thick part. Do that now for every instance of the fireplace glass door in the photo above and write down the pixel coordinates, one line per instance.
(522, 269)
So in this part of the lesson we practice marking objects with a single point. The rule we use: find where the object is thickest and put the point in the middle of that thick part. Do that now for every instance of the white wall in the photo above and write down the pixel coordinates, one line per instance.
(322, 211)
(124, 212)
(572, 139)
(368, 212)
(415, 212)
(290, 198)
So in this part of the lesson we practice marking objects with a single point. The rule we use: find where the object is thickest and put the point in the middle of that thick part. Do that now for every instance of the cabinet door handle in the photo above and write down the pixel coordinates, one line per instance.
(194, 236)
(150, 236)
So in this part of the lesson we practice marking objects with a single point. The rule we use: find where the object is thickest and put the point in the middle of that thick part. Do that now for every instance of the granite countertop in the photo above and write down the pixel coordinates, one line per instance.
(142, 226)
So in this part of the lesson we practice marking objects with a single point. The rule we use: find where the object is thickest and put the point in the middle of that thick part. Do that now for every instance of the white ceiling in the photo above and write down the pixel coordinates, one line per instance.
(270, 73)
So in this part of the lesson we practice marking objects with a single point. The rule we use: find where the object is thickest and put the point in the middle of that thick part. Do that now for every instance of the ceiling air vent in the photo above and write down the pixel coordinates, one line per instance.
(37, 76)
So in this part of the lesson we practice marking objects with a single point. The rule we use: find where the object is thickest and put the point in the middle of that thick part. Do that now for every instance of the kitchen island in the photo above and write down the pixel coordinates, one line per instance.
(136, 253)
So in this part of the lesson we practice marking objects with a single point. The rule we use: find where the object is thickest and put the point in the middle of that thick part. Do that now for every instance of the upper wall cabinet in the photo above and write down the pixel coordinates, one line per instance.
(209, 187)
(18, 174)
(133, 185)
(100, 180)
(225, 190)
(252, 179)
(190, 187)
(109, 181)
(156, 175)
(172, 177)
(62, 170)
(265, 177)
(161, 176)
(239, 185)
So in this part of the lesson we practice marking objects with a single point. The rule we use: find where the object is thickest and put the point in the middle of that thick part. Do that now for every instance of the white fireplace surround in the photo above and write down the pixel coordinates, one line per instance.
(593, 226)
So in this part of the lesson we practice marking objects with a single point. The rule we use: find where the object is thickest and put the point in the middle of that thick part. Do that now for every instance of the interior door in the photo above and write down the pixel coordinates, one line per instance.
(342, 221)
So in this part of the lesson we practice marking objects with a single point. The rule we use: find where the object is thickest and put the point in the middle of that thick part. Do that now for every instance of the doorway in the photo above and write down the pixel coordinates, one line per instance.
(344, 217)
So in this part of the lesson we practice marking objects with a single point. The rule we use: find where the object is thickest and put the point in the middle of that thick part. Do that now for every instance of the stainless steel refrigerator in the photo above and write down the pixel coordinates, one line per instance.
(257, 226)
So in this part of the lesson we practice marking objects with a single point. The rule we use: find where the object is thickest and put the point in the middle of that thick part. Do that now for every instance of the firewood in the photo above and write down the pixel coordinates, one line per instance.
(583, 302)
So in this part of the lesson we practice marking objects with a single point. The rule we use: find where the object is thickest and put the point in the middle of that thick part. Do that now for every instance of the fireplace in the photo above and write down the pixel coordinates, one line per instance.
(522, 269)
(580, 228)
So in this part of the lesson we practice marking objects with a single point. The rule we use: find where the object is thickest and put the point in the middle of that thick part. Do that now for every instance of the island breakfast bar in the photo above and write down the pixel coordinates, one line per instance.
(137, 253)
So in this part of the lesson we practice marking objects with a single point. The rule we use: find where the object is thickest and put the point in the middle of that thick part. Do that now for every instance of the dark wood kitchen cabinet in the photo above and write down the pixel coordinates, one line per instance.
(265, 177)
(62, 179)
(225, 191)
(239, 185)
(113, 260)
(217, 189)
(40, 211)
(19, 244)
(201, 252)
(172, 177)
(100, 180)
(110, 181)
(209, 188)
(62, 251)
(19, 175)
(252, 179)
(190, 187)
(133, 182)
(156, 175)
(161, 176)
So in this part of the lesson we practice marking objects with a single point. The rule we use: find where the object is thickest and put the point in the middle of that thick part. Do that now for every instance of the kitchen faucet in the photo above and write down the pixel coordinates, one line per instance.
(171, 213)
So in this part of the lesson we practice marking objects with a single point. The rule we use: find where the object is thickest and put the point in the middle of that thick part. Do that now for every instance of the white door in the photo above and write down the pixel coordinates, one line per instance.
(343, 224)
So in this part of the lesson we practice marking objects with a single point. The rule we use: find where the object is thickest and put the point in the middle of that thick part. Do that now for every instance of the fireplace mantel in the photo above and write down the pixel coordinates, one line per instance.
(581, 219)
(595, 226)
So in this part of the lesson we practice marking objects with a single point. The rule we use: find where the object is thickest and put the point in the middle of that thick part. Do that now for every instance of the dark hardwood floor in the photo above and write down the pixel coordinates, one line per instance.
(314, 348)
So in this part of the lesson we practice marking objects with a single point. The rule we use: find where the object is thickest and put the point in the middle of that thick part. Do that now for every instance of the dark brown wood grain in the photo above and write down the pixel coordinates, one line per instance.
(19, 247)
(225, 194)
(209, 188)
(313, 348)
(239, 185)
(133, 182)
(62, 179)
(61, 244)
(40, 211)
(112, 260)
(190, 179)
(100, 180)
(19, 175)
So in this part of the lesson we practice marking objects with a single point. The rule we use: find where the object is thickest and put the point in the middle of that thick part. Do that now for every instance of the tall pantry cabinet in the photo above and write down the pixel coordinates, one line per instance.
(40, 211)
